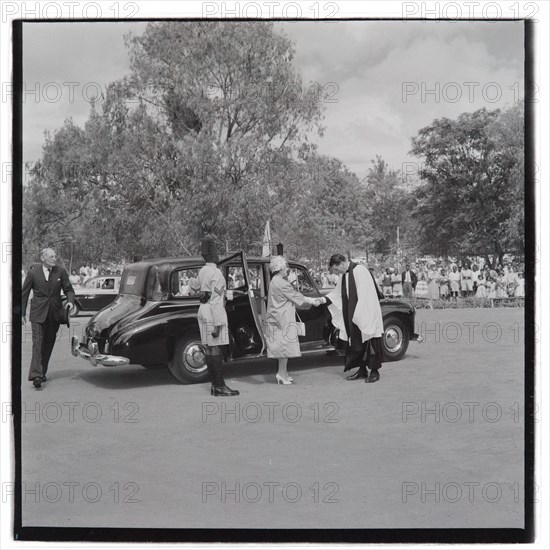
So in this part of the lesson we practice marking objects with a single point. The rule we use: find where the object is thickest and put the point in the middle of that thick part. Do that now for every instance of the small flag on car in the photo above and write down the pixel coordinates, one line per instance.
(266, 249)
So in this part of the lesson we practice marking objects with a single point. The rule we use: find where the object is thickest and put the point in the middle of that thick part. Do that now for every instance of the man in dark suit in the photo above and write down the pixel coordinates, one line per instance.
(408, 280)
(47, 311)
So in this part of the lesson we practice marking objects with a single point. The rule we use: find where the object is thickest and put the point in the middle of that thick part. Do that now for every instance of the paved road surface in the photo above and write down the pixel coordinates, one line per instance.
(438, 442)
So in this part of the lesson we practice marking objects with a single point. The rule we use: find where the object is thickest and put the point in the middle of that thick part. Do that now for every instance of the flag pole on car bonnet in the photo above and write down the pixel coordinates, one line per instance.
(266, 243)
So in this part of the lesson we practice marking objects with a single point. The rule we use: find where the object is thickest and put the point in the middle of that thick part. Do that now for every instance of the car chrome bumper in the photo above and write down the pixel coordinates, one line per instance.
(418, 338)
(94, 357)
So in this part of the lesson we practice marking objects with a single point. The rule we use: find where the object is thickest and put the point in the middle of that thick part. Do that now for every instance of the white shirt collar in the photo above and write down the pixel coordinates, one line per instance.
(47, 271)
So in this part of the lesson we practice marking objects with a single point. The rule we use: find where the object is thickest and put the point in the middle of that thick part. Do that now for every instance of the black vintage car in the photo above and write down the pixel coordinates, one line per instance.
(153, 320)
(95, 294)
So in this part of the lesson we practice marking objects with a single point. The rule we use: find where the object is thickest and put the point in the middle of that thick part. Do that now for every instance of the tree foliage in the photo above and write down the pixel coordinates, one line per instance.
(470, 200)
(388, 206)
(186, 146)
(233, 105)
(208, 135)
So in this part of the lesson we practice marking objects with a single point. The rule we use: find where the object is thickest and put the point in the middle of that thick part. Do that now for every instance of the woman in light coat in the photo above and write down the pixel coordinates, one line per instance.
(280, 327)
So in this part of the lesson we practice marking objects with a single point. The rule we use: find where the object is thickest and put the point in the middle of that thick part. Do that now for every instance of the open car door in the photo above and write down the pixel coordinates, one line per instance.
(256, 296)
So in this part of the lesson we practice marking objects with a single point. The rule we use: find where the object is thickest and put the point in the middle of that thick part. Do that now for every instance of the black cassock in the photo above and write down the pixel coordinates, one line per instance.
(359, 353)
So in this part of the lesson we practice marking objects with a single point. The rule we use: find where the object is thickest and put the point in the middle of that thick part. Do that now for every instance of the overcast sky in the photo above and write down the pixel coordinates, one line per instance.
(380, 74)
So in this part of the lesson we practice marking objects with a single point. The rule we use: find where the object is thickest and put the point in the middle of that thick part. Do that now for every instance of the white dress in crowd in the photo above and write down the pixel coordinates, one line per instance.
(421, 290)
(454, 278)
(466, 280)
(433, 284)
(511, 280)
(501, 287)
(520, 288)
(481, 291)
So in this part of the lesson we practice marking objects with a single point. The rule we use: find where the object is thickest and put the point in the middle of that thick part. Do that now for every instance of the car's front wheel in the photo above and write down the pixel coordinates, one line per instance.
(395, 340)
(188, 365)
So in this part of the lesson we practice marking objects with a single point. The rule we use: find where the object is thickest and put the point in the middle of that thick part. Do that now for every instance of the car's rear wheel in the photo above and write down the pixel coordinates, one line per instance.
(188, 365)
(396, 338)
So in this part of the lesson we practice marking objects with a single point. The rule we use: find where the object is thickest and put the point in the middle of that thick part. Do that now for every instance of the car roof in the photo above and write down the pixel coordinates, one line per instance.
(193, 260)
(112, 275)
(167, 261)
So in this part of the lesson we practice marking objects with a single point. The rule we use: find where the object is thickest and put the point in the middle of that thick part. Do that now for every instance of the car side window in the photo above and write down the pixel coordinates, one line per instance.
(301, 280)
(235, 277)
(184, 283)
(255, 277)
(108, 284)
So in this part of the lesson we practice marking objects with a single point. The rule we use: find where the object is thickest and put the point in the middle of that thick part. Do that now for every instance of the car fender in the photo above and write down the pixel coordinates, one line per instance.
(401, 309)
(152, 340)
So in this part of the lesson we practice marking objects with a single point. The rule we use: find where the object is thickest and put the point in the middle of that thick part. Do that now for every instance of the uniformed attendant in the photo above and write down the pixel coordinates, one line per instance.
(212, 317)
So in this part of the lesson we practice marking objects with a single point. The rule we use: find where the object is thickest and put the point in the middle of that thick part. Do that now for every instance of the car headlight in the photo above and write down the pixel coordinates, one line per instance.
(92, 331)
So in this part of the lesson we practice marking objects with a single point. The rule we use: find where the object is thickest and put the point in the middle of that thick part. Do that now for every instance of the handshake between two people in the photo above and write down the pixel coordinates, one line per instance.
(314, 302)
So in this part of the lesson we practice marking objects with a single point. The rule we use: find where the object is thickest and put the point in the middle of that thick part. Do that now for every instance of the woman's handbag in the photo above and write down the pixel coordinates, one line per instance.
(300, 327)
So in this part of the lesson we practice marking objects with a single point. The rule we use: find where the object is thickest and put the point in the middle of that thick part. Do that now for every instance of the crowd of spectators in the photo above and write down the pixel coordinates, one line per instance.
(441, 280)
(422, 279)
(88, 271)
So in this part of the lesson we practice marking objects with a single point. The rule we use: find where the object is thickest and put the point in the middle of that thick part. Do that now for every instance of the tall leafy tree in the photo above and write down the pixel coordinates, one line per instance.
(189, 144)
(386, 203)
(470, 200)
(233, 104)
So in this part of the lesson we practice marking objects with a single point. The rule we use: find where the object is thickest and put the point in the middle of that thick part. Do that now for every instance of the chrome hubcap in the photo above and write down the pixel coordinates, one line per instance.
(393, 338)
(194, 358)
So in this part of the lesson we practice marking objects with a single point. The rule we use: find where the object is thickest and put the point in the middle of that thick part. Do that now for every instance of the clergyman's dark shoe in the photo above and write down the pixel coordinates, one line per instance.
(374, 376)
(223, 391)
(360, 374)
(37, 382)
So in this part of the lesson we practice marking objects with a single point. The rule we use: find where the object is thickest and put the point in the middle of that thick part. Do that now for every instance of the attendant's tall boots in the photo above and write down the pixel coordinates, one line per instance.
(215, 366)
